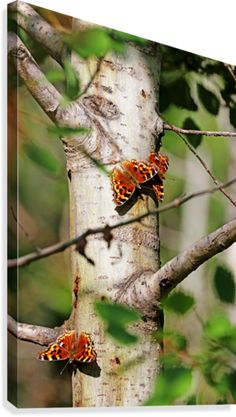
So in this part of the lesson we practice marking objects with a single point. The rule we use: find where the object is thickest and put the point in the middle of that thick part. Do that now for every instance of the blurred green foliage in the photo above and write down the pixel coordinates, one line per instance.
(195, 140)
(117, 317)
(224, 285)
(61, 131)
(178, 302)
(72, 80)
(171, 384)
(96, 42)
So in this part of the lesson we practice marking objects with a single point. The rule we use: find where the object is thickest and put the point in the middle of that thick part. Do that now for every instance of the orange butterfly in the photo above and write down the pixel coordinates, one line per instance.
(70, 346)
(137, 178)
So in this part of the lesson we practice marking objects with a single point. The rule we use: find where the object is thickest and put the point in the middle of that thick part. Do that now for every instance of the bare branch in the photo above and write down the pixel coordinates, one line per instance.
(39, 29)
(144, 292)
(191, 148)
(32, 333)
(61, 246)
(176, 129)
(230, 69)
(198, 253)
(36, 82)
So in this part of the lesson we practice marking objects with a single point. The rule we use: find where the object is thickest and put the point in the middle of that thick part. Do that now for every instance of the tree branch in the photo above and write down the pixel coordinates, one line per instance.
(32, 333)
(47, 96)
(39, 29)
(191, 148)
(149, 288)
(61, 246)
(176, 129)
(230, 69)
(36, 82)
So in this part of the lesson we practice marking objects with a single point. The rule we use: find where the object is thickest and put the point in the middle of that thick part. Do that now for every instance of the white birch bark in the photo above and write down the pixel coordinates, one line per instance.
(129, 81)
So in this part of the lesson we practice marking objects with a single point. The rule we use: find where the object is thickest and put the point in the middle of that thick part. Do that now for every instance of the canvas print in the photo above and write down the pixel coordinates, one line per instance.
(121, 218)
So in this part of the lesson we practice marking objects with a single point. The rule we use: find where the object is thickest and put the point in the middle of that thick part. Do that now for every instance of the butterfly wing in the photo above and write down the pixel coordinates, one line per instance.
(154, 189)
(160, 162)
(123, 187)
(140, 171)
(54, 352)
(159, 191)
(84, 349)
(59, 350)
(124, 191)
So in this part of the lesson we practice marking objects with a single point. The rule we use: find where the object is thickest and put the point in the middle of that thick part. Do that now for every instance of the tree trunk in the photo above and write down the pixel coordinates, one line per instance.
(123, 128)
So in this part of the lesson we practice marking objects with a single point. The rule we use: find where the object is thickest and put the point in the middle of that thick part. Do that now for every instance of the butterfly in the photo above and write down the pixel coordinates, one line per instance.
(137, 178)
(69, 346)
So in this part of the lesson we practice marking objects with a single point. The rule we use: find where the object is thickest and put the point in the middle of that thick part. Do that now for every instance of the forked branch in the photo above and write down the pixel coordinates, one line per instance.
(147, 290)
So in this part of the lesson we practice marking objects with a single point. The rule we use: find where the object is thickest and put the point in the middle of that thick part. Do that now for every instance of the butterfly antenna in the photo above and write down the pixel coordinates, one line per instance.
(64, 367)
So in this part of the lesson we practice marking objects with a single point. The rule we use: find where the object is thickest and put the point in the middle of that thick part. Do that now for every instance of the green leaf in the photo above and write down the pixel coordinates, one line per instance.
(178, 93)
(231, 382)
(178, 302)
(42, 157)
(120, 334)
(230, 342)
(117, 317)
(102, 167)
(177, 339)
(195, 140)
(170, 385)
(90, 42)
(127, 37)
(64, 131)
(55, 75)
(208, 99)
(72, 80)
(180, 341)
(224, 285)
(232, 116)
(119, 313)
(192, 400)
(218, 327)
(170, 360)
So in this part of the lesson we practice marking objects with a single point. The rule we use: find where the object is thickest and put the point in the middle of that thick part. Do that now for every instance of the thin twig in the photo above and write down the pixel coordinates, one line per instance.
(191, 148)
(168, 126)
(61, 246)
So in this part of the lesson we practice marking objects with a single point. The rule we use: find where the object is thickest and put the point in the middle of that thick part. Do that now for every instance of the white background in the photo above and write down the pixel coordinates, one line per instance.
(205, 27)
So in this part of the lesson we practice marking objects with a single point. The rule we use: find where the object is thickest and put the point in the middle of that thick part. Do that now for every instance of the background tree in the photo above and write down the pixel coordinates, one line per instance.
(89, 83)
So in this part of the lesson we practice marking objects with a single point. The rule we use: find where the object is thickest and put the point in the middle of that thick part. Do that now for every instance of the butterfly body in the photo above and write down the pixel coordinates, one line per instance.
(71, 347)
(137, 178)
